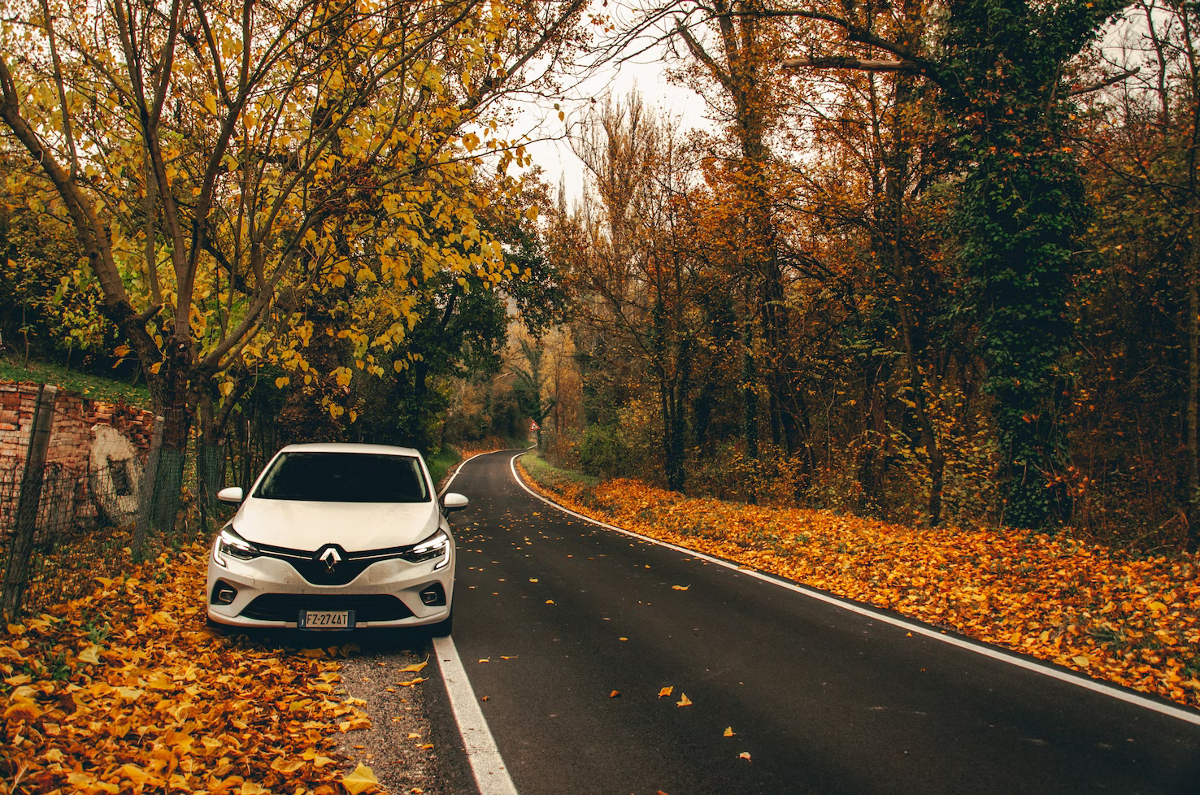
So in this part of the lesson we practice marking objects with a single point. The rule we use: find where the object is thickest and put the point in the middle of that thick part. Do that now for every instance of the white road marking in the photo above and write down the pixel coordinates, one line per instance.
(1036, 666)
(491, 775)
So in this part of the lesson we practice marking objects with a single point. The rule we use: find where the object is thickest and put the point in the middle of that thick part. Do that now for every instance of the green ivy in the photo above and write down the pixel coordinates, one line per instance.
(1019, 213)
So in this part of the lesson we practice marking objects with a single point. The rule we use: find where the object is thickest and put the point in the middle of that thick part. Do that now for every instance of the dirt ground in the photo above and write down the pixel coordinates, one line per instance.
(400, 746)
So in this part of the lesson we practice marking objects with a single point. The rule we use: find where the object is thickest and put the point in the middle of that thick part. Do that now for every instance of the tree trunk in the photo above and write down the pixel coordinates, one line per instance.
(1193, 389)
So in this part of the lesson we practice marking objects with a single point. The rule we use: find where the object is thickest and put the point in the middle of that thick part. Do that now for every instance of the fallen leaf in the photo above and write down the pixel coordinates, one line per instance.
(680, 587)
(282, 765)
(683, 701)
(425, 747)
(361, 780)
(666, 691)
(88, 655)
(614, 694)
(728, 732)
(415, 668)
(744, 755)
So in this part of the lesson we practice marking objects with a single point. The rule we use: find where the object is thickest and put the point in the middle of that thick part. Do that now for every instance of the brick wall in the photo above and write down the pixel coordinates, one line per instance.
(70, 442)
(71, 429)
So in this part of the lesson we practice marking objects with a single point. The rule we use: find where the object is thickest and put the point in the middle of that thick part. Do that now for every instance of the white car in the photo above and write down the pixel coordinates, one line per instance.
(335, 537)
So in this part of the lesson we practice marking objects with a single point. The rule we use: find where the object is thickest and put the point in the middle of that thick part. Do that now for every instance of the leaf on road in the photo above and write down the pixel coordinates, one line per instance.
(680, 587)
(533, 579)
(728, 732)
(615, 694)
(415, 668)
(666, 691)
(744, 755)
(683, 701)
(361, 780)
(486, 659)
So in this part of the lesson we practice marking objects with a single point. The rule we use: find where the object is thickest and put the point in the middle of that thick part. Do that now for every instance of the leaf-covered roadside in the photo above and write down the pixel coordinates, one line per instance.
(1132, 620)
(126, 690)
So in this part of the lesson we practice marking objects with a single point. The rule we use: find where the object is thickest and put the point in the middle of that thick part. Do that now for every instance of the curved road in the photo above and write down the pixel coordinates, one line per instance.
(820, 699)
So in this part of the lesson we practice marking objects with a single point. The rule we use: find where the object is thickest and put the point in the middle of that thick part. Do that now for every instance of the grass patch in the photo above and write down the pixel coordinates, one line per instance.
(553, 477)
(441, 462)
(81, 382)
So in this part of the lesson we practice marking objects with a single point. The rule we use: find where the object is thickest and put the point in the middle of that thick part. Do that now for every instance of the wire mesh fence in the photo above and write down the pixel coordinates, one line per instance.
(88, 514)
(74, 537)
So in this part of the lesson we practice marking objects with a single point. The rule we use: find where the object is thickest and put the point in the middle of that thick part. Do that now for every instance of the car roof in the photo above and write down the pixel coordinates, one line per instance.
(346, 447)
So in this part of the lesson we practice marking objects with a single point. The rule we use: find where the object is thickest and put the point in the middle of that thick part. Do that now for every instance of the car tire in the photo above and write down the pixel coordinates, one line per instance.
(442, 629)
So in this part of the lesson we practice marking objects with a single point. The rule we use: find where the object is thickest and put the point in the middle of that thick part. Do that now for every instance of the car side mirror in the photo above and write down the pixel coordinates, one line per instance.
(454, 502)
(232, 495)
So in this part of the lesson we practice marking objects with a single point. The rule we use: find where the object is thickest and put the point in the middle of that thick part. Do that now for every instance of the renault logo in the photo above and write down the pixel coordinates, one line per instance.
(330, 558)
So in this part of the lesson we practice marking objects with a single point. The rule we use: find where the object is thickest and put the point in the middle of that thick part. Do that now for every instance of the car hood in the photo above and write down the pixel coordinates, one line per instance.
(355, 527)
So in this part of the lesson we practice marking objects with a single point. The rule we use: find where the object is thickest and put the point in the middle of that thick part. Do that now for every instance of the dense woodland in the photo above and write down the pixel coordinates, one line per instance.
(933, 261)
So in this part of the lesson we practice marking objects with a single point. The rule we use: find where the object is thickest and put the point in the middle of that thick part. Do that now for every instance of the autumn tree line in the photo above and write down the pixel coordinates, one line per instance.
(934, 261)
(931, 261)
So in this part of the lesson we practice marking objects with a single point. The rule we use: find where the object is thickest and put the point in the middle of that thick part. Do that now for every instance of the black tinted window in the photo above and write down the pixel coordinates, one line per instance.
(344, 477)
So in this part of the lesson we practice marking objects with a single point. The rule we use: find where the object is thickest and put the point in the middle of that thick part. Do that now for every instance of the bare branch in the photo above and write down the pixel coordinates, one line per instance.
(848, 62)
(1117, 78)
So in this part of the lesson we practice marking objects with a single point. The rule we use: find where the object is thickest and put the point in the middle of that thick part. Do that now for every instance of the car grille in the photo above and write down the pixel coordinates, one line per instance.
(286, 607)
(352, 564)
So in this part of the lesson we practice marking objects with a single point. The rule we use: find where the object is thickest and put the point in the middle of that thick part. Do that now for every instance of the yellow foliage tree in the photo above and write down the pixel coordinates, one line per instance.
(218, 159)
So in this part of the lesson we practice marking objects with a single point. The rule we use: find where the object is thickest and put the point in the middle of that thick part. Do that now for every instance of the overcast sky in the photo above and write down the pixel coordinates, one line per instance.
(646, 73)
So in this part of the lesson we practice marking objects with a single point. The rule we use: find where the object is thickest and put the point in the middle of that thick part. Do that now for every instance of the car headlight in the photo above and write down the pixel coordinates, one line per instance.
(433, 547)
(230, 544)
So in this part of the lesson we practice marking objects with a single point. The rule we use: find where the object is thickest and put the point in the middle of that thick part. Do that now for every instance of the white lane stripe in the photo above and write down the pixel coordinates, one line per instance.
(491, 776)
(487, 766)
(1037, 666)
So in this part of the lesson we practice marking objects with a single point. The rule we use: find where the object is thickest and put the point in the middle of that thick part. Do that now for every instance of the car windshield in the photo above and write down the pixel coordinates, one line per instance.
(344, 477)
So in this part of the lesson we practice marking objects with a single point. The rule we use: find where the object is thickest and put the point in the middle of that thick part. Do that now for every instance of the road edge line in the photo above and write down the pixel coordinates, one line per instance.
(1042, 667)
(491, 775)
(487, 765)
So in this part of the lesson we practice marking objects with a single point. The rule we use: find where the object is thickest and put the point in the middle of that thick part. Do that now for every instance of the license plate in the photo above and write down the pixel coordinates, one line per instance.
(326, 619)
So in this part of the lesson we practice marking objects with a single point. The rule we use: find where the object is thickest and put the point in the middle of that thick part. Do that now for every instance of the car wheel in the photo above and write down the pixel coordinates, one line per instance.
(442, 629)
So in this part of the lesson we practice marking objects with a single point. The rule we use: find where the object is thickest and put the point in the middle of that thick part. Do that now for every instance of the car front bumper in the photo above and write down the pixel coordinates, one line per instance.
(270, 593)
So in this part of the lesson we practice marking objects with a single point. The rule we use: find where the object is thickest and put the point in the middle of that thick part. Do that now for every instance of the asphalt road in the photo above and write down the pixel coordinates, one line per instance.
(821, 699)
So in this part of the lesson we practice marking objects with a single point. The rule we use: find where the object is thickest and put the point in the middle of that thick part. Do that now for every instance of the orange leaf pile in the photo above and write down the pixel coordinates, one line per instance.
(1132, 620)
(126, 690)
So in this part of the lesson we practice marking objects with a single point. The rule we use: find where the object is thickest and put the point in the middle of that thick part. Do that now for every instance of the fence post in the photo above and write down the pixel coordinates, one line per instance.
(149, 485)
(16, 573)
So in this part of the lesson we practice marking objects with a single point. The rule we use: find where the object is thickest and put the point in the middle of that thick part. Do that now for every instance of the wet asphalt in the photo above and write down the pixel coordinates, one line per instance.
(570, 634)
